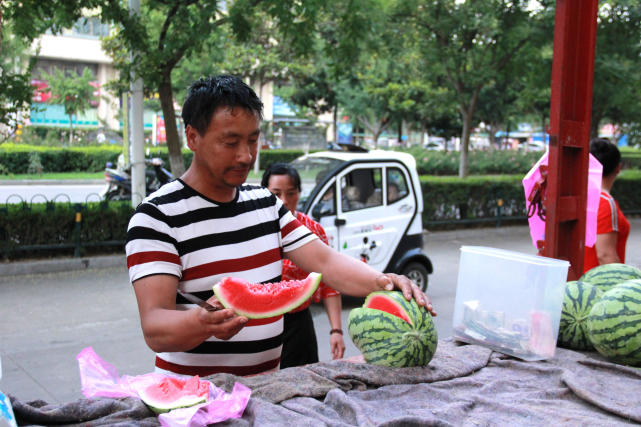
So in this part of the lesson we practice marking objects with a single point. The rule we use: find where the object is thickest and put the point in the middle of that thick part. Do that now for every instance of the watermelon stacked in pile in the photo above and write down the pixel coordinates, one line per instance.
(602, 311)
(392, 331)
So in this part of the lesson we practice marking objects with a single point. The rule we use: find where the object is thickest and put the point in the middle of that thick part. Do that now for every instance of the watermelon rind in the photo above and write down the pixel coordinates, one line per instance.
(311, 283)
(387, 340)
(175, 398)
(578, 300)
(607, 276)
(614, 324)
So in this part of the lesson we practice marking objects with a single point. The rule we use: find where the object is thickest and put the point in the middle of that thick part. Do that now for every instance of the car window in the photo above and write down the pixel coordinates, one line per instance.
(361, 188)
(396, 185)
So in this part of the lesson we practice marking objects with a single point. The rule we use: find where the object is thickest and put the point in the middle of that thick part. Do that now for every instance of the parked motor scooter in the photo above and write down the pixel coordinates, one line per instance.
(118, 179)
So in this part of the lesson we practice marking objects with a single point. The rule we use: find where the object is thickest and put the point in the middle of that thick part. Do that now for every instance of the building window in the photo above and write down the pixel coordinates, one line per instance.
(70, 68)
(90, 27)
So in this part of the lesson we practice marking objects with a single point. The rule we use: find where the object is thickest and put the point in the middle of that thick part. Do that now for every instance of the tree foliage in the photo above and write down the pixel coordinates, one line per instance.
(472, 41)
(73, 92)
(617, 81)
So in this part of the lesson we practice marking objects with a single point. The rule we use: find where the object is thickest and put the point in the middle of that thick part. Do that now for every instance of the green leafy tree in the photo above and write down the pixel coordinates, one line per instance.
(15, 81)
(73, 92)
(168, 31)
(472, 41)
(617, 81)
(328, 79)
(21, 22)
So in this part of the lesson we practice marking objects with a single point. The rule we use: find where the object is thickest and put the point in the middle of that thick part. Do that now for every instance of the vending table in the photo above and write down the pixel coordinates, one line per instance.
(463, 385)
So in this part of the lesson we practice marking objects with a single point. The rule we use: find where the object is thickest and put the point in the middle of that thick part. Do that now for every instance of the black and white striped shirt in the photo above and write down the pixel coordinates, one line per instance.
(178, 231)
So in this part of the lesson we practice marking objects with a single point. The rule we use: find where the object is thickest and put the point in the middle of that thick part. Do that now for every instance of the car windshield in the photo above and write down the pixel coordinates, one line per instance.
(312, 170)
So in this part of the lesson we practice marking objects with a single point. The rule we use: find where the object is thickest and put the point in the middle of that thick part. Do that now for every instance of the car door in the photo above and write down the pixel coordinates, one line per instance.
(366, 223)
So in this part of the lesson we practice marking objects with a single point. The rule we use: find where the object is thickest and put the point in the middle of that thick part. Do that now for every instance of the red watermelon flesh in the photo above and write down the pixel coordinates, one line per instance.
(381, 301)
(261, 300)
(172, 393)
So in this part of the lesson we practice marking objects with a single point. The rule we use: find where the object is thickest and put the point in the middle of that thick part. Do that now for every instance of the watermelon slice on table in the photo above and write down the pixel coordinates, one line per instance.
(173, 393)
(261, 300)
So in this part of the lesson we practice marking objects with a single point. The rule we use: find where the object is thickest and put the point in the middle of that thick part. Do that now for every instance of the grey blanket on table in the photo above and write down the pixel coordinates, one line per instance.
(463, 385)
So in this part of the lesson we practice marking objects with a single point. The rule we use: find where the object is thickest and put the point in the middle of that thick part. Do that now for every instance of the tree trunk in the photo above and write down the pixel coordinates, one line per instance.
(492, 128)
(335, 119)
(70, 130)
(465, 144)
(174, 145)
(467, 112)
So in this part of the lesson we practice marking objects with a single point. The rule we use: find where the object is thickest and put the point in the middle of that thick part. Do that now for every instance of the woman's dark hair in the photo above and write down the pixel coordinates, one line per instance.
(607, 153)
(205, 96)
(281, 169)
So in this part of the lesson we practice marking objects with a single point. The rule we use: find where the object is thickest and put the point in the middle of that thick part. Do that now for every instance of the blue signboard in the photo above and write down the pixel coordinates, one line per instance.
(282, 109)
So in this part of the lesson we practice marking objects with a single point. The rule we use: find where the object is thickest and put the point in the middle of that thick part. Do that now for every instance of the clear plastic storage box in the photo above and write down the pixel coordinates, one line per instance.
(509, 301)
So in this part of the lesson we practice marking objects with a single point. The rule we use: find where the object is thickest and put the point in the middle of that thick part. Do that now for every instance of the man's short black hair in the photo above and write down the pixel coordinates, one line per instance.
(607, 153)
(206, 95)
(281, 169)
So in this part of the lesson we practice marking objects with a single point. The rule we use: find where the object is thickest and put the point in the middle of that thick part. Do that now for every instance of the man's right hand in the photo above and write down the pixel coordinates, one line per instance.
(167, 329)
(224, 323)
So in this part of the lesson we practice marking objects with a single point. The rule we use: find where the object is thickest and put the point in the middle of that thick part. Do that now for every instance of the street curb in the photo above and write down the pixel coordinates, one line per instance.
(16, 268)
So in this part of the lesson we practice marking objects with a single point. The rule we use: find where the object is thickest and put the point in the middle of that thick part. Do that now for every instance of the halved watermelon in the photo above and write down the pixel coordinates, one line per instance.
(383, 301)
(172, 393)
(396, 333)
(260, 300)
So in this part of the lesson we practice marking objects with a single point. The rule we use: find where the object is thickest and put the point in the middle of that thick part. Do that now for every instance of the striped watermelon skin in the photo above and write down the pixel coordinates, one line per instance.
(388, 340)
(614, 324)
(577, 302)
(607, 276)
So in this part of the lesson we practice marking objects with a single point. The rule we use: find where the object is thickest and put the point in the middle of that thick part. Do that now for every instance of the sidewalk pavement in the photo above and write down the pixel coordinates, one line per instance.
(57, 265)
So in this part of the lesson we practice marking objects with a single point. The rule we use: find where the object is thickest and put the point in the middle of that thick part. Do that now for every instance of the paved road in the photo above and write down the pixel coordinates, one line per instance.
(46, 319)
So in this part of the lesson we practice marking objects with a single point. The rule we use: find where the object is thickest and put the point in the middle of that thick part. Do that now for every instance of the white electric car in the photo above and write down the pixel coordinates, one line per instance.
(370, 205)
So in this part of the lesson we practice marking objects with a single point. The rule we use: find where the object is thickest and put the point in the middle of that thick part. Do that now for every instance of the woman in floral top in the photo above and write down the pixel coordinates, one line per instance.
(299, 339)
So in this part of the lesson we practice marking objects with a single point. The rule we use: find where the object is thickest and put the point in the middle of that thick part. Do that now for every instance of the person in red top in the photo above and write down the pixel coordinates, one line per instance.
(612, 226)
(299, 340)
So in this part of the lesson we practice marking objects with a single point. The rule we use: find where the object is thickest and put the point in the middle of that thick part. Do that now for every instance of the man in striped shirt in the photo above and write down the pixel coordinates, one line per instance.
(206, 225)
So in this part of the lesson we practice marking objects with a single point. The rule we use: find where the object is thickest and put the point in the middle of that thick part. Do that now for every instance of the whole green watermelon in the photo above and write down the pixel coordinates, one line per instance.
(387, 339)
(614, 324)
(577, 302)
(607, 276)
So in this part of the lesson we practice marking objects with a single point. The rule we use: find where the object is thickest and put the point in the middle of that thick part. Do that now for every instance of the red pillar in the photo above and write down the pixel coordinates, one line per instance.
(570, 113)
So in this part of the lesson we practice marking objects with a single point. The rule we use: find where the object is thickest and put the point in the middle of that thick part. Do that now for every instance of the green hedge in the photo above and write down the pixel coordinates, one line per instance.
(450, 202)
(482, 162)
(50, 229)
(15, 158)
(479, 162)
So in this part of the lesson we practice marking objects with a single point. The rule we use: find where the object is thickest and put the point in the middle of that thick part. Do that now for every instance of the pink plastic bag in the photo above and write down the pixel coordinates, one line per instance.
(100, 379)
(537, 225)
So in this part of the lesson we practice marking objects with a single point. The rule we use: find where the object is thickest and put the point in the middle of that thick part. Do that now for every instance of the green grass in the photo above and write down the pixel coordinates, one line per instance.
(54, 175)
(81, 176)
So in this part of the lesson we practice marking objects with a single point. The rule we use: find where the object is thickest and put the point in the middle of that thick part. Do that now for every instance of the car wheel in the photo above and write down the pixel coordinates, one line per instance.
(417, 273)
